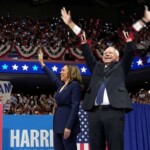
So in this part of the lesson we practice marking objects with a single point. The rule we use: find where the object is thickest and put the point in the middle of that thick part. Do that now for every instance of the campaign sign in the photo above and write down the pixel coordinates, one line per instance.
(5, 91)
(27, 132)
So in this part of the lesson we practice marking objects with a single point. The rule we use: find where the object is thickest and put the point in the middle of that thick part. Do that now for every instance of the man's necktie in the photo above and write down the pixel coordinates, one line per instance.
(100, 94)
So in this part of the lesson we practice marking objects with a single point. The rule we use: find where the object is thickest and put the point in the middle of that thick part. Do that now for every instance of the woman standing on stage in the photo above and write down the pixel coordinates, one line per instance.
(68, 95)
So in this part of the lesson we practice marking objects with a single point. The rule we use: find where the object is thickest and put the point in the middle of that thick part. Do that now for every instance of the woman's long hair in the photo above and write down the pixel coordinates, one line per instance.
(74, 73)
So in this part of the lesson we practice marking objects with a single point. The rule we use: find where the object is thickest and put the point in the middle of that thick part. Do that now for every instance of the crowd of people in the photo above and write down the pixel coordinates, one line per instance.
(142, 96)
(45, 104)
(53, 33)
(29, 104)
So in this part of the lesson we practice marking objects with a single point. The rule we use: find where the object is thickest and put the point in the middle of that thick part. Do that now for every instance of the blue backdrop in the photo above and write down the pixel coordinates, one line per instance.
(33, 67)
(137, 129)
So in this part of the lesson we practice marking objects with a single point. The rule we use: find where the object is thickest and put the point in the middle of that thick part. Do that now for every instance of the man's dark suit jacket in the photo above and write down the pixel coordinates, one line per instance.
(114, 78)
(68, 101)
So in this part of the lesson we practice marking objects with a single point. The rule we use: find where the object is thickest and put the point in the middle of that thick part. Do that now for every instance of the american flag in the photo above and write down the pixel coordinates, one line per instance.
(83, 137)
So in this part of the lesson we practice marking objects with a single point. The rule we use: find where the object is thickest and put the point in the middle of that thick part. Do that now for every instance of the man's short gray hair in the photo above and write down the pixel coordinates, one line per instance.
(116, 51)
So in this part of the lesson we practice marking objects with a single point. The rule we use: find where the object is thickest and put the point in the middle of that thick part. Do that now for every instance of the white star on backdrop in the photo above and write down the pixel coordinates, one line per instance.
(15, 67)
(83, 69)
(54, 68)
(140, 62)
(25, 67)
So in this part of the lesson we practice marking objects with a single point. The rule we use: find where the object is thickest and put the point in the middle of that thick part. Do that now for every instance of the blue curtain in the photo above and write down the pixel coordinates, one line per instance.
(137, 128)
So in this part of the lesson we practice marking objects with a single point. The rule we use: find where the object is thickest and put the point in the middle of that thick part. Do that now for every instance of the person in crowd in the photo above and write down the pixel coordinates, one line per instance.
(106, 98)
(68, 95)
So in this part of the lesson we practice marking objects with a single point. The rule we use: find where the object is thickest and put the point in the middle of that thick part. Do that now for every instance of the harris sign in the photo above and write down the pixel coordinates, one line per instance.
(27, 132)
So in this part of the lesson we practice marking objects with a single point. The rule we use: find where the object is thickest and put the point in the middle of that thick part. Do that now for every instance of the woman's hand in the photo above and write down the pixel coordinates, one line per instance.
(67, 133)
(40, 57)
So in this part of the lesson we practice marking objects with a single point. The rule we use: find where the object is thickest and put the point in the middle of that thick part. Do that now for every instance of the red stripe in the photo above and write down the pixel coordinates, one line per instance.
(81, 146)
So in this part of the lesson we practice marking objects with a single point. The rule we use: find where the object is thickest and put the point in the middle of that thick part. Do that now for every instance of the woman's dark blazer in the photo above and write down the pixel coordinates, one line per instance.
(68, 101)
